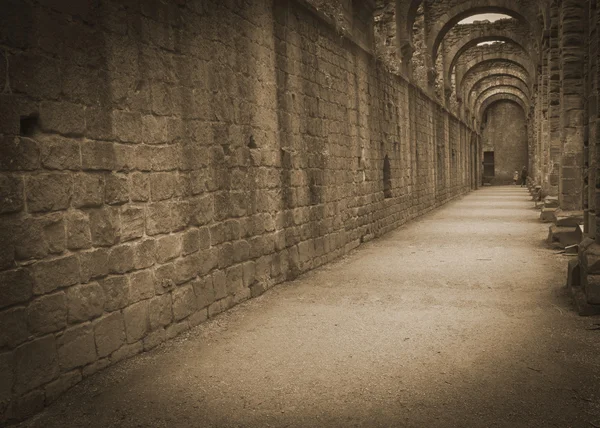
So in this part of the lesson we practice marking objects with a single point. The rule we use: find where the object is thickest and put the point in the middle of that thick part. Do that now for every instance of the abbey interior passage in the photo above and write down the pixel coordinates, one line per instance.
(299, 213)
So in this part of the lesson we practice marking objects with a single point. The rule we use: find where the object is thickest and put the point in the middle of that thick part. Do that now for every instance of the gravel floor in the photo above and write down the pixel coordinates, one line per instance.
(458, 319)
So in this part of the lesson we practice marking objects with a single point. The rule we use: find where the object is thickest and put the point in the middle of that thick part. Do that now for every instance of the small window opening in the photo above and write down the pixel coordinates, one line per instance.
(387, 178)
(28, 125)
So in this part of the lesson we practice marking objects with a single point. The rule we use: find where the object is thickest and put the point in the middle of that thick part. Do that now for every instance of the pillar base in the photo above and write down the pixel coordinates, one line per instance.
(589, 265)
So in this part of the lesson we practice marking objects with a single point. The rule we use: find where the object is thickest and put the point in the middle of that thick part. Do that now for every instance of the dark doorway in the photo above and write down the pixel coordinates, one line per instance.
(488, 167)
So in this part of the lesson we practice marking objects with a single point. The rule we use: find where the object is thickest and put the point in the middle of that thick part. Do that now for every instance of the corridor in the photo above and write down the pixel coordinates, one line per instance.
(458, 319)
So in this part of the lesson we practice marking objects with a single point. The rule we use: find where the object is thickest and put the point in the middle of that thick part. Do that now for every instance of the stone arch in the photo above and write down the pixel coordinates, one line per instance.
(406, 12)
(474, 78)
(503, 90)
(476, 37)
(489, 102)
(492, 82)
(464, 69)
(464, 9)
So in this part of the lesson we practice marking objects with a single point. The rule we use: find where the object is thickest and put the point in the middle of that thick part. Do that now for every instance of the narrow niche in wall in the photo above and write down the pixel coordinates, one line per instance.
(387, 177)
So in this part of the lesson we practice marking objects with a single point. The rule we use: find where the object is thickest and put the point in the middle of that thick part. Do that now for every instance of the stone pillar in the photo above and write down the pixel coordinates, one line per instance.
(544, 127)
(554, 111)
(572, 36)
(590, 144)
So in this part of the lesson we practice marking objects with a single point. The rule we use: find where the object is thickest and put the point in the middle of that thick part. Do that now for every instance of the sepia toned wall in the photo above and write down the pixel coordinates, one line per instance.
(162, 162)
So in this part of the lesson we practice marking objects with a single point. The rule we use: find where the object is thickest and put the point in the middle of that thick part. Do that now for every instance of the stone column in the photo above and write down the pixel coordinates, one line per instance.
(554, 111)
(590, 144)
(572, 36)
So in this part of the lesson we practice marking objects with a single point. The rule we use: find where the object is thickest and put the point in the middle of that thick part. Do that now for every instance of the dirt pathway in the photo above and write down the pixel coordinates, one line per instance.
(458, 319)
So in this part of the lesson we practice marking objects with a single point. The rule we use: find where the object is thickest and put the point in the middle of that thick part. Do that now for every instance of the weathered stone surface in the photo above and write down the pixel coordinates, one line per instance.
(28, 405)
(36, 364)
(592, 289)
(11, 199)
(7, 378)
(59, 153)
(155, 338)
(78, 231)
(184, 302)
(109, 333)
(203, 289)
(164, 278)
(76, 347)
(132, 223)
(16, 286)
(120, 259)
(65, 382)
(136, 321)
(141, 286)
(14, 327)
(160, 312)
(563, 236)
(144, 253)
(168, 247)
(116, 189)
(88, 190)
(47, 314)
(158, 218)
(140, 187)
(93, 264)
(53, 274)
(105, 226)
(116, 292)
(569, 218)
(48, 192)
(85, 302)
(126, 351)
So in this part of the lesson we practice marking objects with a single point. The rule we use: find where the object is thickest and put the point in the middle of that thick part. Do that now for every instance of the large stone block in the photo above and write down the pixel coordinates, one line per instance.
(140, 187)
(160, 312)
(47, 314)
(14, 327)
(187, 268)
(29, 242)
(109, 333)
(592, 289)
(184, 302)
(136, 321)
(163, 185)
(18, 154)
(168, 248)
(132, 223)
(52, 274)
(11, 199)
(203, 289)
(164, 278)
(85, 302)
(16, 286)
(76, 347)
(55, 233)
(93, 264)
(59, 153)
(61, 385)
(105, 226)
(116, 292)
(62, 118)
(49, 192)
(141, 286)
(7, 379)
(121, 259)
(78, 231)
(98, 156)
(144, 253)
(116, 189)
(36, 364)
(158, 218)
(88, 190)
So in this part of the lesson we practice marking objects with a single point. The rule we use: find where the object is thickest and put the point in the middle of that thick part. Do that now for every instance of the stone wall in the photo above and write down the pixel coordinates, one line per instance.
(505, 133)
(163, 161)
